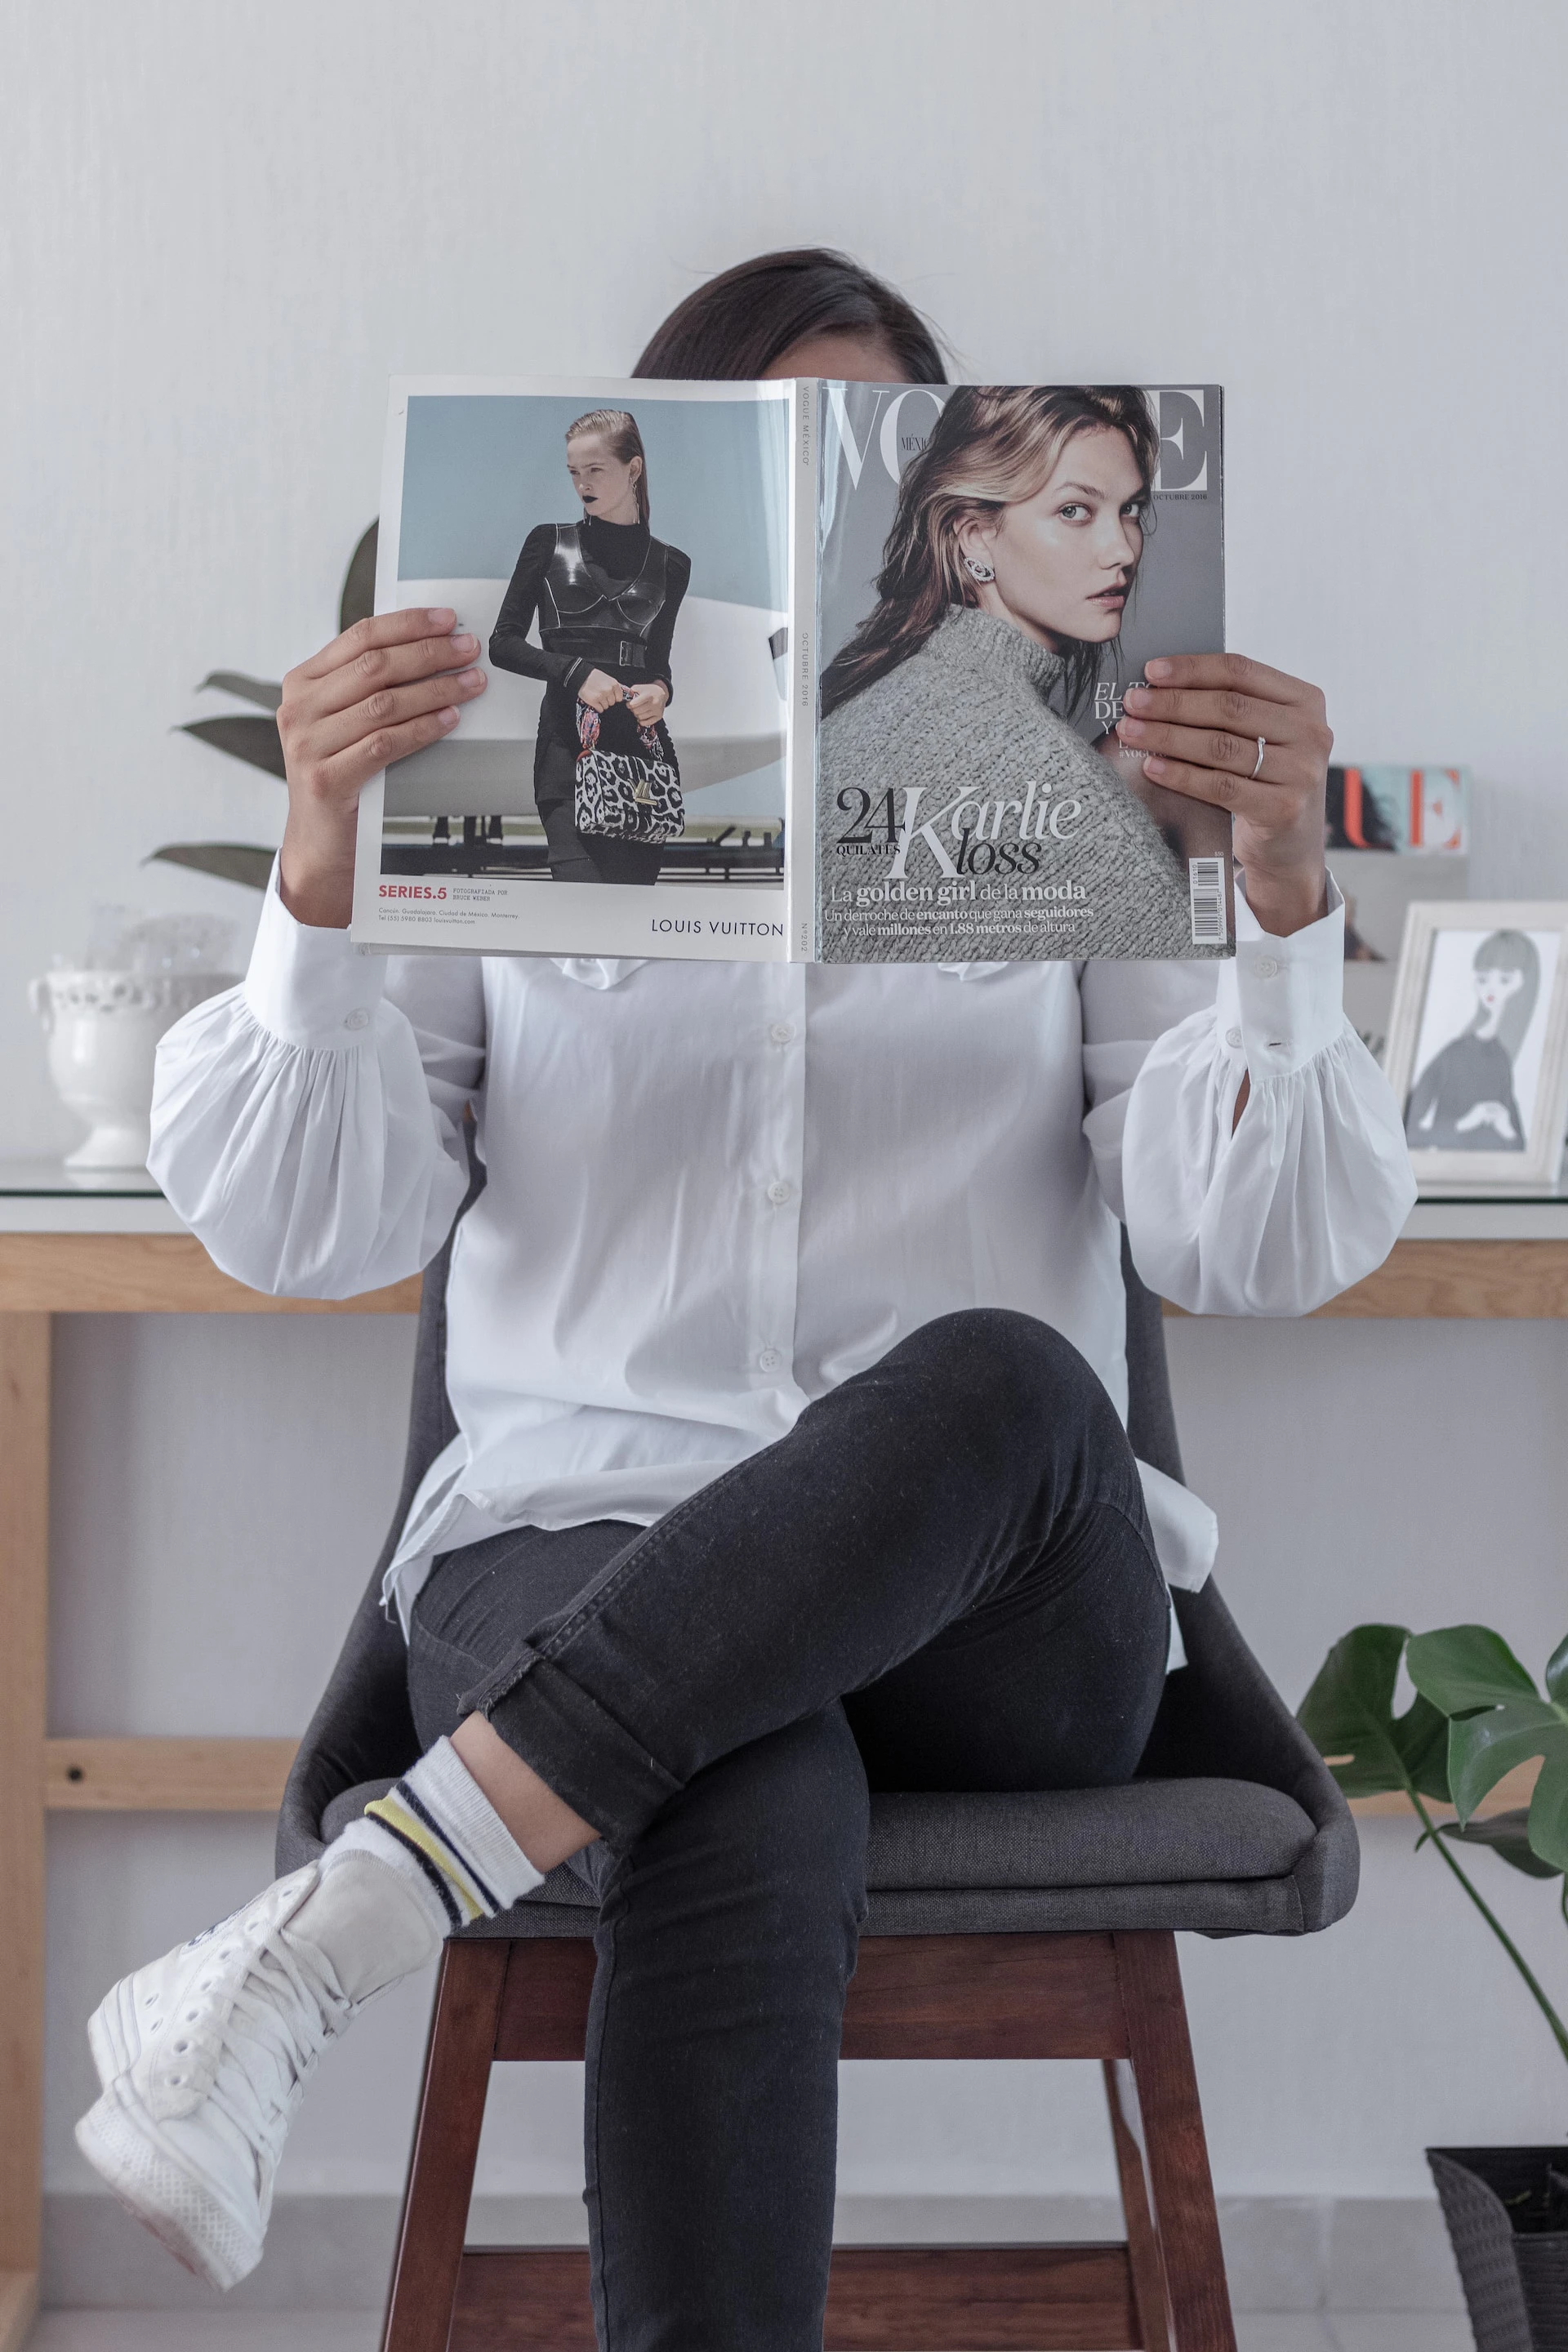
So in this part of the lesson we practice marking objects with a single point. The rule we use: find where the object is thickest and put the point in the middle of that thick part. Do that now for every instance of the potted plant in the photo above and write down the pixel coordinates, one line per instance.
(1475, 1715)
(255, 740)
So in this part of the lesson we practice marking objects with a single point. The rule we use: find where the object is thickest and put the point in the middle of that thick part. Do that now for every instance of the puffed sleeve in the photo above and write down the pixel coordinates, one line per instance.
(307, 1125)
(1306, 1194)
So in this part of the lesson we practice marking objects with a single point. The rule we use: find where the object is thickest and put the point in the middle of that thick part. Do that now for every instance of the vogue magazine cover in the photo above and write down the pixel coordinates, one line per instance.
(996, 562)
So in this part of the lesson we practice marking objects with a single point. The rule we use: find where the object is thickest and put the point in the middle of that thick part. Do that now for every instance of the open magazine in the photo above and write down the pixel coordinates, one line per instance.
(799, 671)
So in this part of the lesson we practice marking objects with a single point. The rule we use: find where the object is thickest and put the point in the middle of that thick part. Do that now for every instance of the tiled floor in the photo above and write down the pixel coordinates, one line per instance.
(353, 2331)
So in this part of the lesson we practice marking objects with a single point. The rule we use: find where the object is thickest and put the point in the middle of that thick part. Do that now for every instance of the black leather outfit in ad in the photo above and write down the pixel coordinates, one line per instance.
(606, 595)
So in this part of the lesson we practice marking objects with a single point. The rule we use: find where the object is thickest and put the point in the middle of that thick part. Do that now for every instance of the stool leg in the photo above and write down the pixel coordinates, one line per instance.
(1176, 2151)
(445, 2144)
(1143, 2245)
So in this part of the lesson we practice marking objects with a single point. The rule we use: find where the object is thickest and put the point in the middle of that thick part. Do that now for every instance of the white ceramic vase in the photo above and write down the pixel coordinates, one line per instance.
(103, 1029)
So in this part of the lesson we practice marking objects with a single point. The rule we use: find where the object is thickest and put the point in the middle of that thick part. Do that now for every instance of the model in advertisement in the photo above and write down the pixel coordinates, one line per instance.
(607, 595)
(1015, 547)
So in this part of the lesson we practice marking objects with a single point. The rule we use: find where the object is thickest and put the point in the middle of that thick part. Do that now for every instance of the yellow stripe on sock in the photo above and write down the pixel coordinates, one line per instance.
(408, 1825)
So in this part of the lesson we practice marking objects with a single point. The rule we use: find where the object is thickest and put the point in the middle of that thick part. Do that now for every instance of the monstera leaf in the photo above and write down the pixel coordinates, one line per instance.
(231, 861)
(256, 740)
(1349, 1716)
(263, 690)
(1498, 1719)
(357, 602)
(1508, 1834)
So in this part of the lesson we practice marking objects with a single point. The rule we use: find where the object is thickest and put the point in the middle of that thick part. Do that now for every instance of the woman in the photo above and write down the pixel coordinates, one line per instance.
(607, 595)
(1464, 1098)
(1009, 566)
(786, 1352)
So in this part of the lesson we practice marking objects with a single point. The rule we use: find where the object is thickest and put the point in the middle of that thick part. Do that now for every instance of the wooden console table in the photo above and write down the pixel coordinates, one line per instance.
(64, 1252)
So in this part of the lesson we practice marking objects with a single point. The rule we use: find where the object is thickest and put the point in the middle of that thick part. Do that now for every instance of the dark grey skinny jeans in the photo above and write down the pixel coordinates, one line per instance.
(941, 1579)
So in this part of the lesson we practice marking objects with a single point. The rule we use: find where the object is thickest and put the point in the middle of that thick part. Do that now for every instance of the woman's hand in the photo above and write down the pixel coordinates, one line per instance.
(385, 687)
(648, 702)
(599, 691)
(1199, 719)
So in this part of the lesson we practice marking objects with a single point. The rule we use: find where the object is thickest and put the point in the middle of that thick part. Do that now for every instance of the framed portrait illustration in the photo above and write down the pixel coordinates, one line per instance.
(1477, 1048)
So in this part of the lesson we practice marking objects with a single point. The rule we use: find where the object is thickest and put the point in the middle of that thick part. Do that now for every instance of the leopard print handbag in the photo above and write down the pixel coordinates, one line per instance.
(626, 795)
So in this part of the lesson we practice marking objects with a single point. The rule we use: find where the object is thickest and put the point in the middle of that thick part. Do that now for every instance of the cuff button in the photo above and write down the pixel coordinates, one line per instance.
(1233, 1038)
(358, 1019)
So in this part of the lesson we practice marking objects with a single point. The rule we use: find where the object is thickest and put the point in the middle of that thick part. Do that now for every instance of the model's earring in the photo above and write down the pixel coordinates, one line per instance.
(978, 570)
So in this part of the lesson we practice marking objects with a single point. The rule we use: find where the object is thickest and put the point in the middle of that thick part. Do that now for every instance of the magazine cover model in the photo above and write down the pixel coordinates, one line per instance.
(799, 671)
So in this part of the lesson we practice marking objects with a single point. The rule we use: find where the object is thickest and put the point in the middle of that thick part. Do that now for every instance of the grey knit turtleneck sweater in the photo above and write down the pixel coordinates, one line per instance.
(969, 711)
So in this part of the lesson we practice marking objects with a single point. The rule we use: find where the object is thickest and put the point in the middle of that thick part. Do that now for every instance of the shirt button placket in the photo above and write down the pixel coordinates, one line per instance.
(783, 1145)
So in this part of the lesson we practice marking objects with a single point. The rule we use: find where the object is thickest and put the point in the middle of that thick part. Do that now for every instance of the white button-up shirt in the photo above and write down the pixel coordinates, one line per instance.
(717, 1189)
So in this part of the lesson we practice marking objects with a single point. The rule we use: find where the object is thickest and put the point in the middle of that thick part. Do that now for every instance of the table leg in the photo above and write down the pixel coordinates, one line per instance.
(24, 1630)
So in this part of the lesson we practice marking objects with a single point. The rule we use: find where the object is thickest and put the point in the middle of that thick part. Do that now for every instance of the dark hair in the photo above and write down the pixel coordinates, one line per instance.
(992, 447)
(618, 429)
(1510, 951)
(741, 323)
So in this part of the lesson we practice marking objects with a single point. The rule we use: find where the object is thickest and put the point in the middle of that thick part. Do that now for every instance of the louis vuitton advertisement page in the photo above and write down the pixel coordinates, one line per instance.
(622, 552)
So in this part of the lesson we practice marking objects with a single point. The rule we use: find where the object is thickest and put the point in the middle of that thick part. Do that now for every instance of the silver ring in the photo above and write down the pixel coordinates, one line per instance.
(1262, 747)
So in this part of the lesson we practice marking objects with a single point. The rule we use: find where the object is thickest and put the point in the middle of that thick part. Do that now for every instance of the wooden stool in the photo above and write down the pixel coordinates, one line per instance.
(1116, 1996)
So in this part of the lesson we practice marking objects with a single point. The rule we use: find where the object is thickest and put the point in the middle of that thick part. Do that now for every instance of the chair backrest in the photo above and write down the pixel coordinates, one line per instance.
(1151, 1415)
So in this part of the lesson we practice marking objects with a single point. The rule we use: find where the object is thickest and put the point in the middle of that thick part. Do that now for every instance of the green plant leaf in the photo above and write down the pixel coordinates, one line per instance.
(1548, 1806)
(357, 602)
(1508, 1835)
(1349, 1716)
(1482, 1747)
(1421, 1735)
(1498, 1721)
(263, 690)
(231, 861)
(1557, 1673)
(255, 740)
(1466, 1666)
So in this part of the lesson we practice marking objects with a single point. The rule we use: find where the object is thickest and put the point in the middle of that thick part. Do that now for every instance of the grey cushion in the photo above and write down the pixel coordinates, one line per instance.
(1216, 1856)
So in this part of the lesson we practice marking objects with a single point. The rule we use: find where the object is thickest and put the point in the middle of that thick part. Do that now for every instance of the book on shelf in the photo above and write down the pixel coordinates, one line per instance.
(1396, 835)
(799, 671)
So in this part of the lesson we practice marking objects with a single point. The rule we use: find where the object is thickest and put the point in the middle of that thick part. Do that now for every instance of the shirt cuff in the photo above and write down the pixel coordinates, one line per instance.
(1281, 1001)
(309, 986)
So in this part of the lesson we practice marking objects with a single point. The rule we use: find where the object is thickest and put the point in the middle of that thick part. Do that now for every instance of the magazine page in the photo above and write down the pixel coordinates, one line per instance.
(622, 554)
(996, 564)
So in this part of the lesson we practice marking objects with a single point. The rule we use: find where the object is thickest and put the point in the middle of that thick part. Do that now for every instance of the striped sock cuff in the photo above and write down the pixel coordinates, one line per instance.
(460, 1898)
(441, 1815)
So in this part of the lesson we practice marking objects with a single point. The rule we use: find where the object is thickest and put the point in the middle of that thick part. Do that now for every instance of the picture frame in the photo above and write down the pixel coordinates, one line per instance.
(1478, 1048)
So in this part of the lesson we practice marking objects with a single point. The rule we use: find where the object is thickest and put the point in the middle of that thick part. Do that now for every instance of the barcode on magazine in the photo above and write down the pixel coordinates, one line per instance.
(1205, 896)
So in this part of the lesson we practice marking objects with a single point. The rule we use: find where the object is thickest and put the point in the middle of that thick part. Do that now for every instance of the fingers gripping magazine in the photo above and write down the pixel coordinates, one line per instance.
(800, 671)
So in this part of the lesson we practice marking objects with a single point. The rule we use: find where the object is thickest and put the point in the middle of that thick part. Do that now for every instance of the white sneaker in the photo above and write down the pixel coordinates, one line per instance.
(204, 2054)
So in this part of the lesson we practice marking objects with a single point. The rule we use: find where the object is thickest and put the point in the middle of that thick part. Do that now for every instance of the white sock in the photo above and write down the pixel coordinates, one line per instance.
(437, 1828)
(374, 1923)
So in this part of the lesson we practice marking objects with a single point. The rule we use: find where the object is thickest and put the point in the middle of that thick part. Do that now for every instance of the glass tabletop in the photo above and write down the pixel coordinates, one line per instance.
(35, 1178)
(39, 1179)
(1534, 1196)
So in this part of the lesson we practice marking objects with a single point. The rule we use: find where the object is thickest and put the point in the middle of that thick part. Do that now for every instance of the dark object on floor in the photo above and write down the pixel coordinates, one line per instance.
(1507, 2211)
(1001, 1926)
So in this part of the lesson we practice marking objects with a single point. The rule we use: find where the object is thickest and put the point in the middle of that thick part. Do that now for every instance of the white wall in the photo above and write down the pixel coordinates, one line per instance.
(227, 226)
